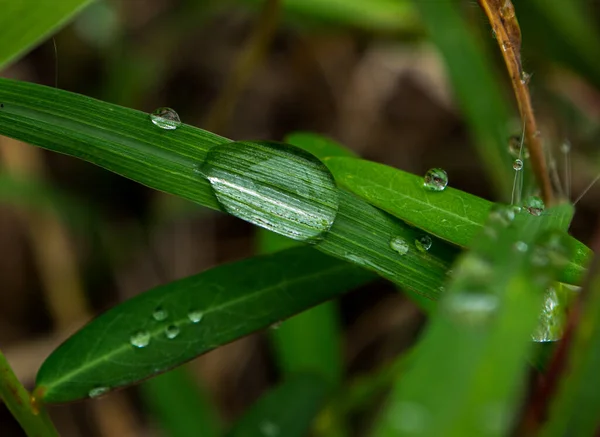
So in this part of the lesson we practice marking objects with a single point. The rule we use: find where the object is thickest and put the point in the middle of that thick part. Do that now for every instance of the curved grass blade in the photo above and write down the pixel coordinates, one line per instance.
(171, 324)
(25, 23)
(452, 215)
(287, 410)
(319, 145)
(483, 332)
(125, 141)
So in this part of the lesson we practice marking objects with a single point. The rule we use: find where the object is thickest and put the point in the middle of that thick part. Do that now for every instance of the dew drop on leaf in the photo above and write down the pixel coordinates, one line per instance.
(275, 326)
(525, 77)
(171, 332)
(534, 205)
(195, 316)
(423, 243)
(435, 179)
(399, 245)
(552, 319)
(140, 339)
(520, 246)
(275, 186)
(517, 165)
(98, 391)
(507, 10)
(165, 118)
(471, 308)
(160, 314)
(514, 147)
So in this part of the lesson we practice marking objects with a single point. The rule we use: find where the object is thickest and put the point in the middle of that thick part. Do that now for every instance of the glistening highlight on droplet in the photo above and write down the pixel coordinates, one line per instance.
(275, 186)
(165, 118)
(435, 179)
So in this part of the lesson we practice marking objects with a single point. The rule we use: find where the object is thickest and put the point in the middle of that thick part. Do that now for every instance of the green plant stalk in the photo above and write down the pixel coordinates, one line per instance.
(32, 417)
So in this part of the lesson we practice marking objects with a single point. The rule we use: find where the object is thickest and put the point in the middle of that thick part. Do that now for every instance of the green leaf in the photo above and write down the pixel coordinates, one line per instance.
(25, 23)
(452, 215)
(126, 142)
(319, 145)
(471, 74)
(469, 367)
(173, 323)
(182, 407)
(287, 410)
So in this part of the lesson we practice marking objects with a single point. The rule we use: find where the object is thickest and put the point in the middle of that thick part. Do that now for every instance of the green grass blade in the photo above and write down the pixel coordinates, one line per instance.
(319, 145)
(126, 142)
(476, 86)
(574, 410)
(181, 406)
(468, 369)
(25, 23)
(452, 215)
(287, 410)
(171, 324)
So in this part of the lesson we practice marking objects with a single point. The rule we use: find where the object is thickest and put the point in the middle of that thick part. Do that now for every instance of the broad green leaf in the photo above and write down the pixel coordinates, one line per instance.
(25, 23)
(319, 145)
(576, 406)
(125, 141)
(469, 368)
(287, 410)
(472, 76)
(452, 215)
(181, 406)
(171, 324)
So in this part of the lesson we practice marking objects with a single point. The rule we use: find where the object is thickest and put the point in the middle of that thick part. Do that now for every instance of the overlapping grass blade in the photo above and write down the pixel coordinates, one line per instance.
(173, 323)
(287, 410)
(452, 215)
(469, 368)
(25, 23)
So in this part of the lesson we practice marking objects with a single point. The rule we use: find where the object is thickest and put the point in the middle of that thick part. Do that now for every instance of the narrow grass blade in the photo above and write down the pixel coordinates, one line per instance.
(475, 84)
(25, 23)
(125, 141)
(468, 370)
(452, 215)
(287, 410)
(319, 145)
(171, 324)
(182, 407)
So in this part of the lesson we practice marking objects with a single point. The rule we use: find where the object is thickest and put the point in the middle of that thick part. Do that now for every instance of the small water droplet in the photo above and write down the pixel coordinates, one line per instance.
(507, 10)
(165, 118)
(160, 314)
(525, 77)
(171, 331)
(195, 316)
(534, 205)
(140, 339)
(399, 245)
(98, 391)
(514, 147)
(565, 147)
(410, 418)
(275, 326)
(494, 35)
(269, 429)
(552, 319)
(471, 308)
(517, 165)
(521, 246)
(435, 179)
(423, 243)
(501, 215)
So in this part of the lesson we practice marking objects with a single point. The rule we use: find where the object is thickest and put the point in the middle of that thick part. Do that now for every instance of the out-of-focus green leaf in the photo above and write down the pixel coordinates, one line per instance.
(181, 406)
(287, 410)
(452, 215)
(468, 370)
(25, 23)
(171, 324)
(475, 84)
(575, 409)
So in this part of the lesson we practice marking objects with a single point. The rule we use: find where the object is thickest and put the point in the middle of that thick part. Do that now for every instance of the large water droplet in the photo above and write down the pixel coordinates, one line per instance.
(275, 186)
(507, 10)
(517, 165)
(552, 319)
(399, 245)
(195, 316)
(471, 308)
(534, 205)
(165, 118)
(98, 391)
(435, 179)
(423, 243)
(515, 149)
(140, 339)
(171, 332)
(160, 314)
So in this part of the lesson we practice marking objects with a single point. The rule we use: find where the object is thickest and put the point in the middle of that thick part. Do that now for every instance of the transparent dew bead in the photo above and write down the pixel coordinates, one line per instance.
(160, 314)
(435, 179)
(195, 316)
(515, 149)
(423, 243)
(552, 318)
(520, 246)
(140, 339)
(534, 205)
(98, 391)
(525, 78)
(165, 118)
(171, 332)
(517, 165)
(399, 245)
(507, 10)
